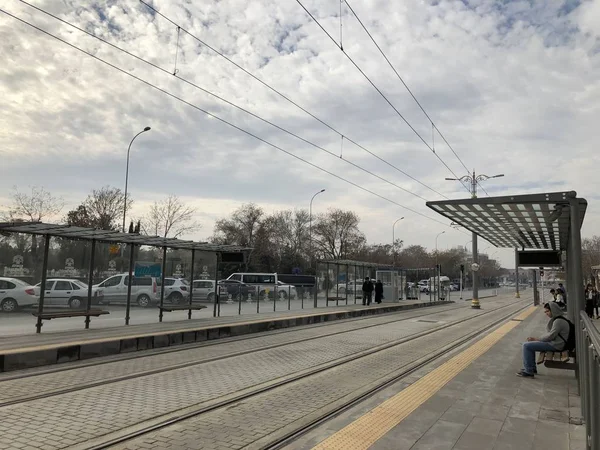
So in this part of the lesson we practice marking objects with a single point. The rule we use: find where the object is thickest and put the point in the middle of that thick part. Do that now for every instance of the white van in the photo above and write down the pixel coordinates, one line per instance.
(265, 282)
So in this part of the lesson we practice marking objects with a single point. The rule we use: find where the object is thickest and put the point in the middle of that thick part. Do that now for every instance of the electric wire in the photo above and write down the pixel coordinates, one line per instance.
(285, 97)
(380, 92)
(155, 66)
(249, 133)
(403, 82)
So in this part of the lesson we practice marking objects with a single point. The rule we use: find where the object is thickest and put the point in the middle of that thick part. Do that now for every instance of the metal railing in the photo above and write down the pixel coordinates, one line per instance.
(588, 355)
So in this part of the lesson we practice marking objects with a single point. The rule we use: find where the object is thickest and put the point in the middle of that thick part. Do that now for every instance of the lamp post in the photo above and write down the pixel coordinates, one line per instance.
(127, 175)
(310, 226)
(394, 239)
(474, 179)
(436, 247)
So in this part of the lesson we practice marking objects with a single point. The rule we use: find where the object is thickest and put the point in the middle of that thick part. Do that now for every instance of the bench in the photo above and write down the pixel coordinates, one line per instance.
(170, 308)
(563, 365)
(61, 314)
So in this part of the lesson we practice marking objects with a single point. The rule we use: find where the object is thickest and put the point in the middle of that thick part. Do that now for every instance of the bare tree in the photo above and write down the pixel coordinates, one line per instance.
(32, 207)
(241, 228)
(337, 235)
(104, 208)
(170, 218)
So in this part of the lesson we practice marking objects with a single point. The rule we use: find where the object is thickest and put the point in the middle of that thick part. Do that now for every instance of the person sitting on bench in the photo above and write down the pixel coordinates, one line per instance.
(553, 341)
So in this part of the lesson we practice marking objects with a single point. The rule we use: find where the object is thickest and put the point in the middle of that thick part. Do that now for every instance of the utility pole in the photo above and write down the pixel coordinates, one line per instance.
(474, 180)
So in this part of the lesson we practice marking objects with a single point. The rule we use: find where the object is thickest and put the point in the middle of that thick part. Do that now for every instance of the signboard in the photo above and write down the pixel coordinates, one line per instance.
(147, 269)
(539, 258)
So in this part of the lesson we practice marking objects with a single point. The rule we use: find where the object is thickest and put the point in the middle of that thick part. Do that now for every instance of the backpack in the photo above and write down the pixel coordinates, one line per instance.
(570, 342)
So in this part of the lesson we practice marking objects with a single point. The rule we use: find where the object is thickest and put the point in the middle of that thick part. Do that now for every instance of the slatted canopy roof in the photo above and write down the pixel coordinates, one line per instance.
(536, 221)
(116, 237)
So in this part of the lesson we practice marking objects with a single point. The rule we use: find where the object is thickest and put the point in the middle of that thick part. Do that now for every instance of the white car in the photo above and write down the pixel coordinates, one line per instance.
(15, 293)
(68, 292)
(177, 290)
(144, 290)
(283, 290)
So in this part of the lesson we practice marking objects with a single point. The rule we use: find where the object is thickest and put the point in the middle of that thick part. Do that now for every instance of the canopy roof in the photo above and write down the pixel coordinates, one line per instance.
(117, 237)
(535, 221)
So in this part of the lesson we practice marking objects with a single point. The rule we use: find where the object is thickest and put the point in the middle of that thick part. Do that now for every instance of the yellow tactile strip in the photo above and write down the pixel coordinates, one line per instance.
(368, 429)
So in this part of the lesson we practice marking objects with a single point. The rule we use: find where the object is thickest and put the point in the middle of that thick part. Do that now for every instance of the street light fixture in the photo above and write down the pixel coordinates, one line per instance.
(127, 175)
(394, 238)
(310, 225)
(474, 180)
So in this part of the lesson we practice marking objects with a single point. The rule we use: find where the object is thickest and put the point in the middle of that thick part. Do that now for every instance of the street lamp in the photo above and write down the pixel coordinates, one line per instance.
(474, 180)
(310, 225)
(127, 175)
(394, 238)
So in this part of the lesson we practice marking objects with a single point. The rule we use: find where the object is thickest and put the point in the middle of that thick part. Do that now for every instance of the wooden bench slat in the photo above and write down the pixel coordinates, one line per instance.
(182, 307)
(560, 365)
(60, 315)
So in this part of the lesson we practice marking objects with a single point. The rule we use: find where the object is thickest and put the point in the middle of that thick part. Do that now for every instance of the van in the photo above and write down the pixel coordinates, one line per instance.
(144, 290)
(263, 281)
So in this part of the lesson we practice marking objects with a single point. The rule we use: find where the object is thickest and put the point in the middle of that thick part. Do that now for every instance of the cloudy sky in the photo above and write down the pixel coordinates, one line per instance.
(514, 86)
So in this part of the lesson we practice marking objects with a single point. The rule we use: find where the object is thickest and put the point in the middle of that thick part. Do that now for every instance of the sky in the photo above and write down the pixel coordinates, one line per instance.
(513, 86)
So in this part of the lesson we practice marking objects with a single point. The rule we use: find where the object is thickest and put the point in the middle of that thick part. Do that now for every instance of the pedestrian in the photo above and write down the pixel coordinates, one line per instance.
(596, 302)
(589, 301)
(554, 340)
(378, 291)
(367, 289)
(561, 289)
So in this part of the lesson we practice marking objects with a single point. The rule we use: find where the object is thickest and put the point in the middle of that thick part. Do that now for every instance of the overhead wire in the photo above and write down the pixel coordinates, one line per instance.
(155, 66)
(380, 92)
(404, 83)
(214, 116)
(285, 97)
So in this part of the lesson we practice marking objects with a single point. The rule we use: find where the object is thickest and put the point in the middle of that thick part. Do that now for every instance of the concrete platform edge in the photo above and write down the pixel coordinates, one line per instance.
(64, 352)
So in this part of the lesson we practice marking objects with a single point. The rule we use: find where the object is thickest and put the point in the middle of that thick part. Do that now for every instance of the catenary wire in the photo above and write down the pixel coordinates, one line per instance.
(403, 82)
(153, 86)
(380, 92)
(282, 95)
(224, 100)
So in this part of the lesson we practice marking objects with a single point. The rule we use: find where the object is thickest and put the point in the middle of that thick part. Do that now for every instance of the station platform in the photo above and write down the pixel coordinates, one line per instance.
(469, 400)
(26, 351)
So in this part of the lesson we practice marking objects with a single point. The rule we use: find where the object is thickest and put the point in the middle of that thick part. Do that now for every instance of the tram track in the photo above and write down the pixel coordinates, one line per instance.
(499, 315)
(345, 327)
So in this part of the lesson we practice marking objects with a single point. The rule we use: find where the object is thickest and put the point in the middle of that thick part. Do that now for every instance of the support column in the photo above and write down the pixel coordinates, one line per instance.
(38, 326)
(129, 283)
(217, 306)
(475, 301)
(192, 283)
(575, 296)
(517, 294)
(162, 283)
(90, 283)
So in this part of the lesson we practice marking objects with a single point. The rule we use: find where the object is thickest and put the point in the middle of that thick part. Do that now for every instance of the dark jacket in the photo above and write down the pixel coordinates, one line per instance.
(378, 291)
(367, 286)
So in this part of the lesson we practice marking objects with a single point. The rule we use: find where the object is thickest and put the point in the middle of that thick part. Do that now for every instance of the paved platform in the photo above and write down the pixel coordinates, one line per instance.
(483, 406)
(19, 352)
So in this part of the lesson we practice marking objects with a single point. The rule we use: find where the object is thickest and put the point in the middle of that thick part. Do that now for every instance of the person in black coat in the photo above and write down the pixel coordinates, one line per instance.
(378, 291)
(367, 289)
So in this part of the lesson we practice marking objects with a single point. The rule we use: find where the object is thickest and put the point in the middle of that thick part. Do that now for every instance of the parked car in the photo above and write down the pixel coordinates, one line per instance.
(205, 290)
(144, 290)
(68, 292)
(15, 293)
(176, 290)
(283, 290)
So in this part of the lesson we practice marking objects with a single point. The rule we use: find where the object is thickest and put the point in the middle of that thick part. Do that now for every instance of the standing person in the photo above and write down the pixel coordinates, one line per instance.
(367, 289)
(378, 291)
(596, 302)
(553, 341)
(589, 301)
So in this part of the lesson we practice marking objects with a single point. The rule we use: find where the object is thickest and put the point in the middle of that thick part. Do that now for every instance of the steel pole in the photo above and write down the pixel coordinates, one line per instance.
(310, 246)
(517, 295)
(38, 326)
(90, 281)
(192, 283)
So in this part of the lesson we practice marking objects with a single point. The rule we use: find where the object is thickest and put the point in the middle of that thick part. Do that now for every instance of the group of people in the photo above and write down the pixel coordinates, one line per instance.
(367, 290)
(592, 301)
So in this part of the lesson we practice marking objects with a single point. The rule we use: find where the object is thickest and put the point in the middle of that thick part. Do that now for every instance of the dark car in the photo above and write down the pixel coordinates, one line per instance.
(236, 289)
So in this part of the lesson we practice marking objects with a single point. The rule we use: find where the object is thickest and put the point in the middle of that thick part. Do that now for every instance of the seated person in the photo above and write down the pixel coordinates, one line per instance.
(554, 340)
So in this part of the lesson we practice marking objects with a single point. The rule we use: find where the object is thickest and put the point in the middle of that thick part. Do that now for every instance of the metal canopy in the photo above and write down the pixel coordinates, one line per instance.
(540, 221)
(349, 262)
(92, 234)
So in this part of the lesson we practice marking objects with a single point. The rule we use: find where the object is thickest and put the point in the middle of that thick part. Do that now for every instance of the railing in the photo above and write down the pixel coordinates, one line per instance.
(588, 355)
